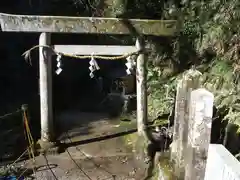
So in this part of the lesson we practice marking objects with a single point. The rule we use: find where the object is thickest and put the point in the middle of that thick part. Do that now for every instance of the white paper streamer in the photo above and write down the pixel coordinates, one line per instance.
(59, 64)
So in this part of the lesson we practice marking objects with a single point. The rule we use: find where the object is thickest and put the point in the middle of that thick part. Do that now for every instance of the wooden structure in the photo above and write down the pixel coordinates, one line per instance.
(59, 24)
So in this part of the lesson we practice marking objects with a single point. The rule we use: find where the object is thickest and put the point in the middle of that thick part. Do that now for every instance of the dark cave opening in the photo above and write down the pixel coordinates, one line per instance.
(72, 89)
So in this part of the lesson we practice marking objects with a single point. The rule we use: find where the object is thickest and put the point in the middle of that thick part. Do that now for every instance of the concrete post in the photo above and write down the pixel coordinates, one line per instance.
(200, 124)
(45, 86)
(189, 82)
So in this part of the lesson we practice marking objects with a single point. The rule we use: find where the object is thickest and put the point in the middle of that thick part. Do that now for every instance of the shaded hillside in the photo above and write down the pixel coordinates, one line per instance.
(210, 40)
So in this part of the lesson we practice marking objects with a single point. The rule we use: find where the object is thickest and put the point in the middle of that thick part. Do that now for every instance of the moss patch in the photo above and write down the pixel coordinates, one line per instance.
(165, 167)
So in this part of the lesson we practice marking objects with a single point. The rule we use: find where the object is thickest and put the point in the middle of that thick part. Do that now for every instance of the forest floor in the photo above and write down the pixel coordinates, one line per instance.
(99, 160)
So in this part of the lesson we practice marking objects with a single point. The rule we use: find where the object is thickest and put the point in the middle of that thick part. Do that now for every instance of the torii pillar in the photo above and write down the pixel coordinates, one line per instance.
(45, 88)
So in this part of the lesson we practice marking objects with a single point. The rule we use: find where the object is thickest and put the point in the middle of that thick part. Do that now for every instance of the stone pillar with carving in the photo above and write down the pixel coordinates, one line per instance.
(200, 123)
(189, 82)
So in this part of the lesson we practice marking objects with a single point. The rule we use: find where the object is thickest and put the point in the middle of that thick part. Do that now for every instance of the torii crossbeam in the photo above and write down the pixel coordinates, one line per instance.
(96, 25)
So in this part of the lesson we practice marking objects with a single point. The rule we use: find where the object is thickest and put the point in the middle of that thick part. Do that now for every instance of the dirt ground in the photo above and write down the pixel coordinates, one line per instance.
(103, 160)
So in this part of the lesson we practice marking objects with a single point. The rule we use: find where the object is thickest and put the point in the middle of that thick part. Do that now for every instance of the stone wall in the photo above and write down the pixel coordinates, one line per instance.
(221, 164)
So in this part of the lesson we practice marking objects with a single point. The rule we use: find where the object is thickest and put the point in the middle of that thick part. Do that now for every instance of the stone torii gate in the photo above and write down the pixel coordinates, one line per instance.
(86, 25)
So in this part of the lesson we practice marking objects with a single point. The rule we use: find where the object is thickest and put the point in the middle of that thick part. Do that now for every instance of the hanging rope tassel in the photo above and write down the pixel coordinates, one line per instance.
(130, 65)
(59, 64)
(93, 66)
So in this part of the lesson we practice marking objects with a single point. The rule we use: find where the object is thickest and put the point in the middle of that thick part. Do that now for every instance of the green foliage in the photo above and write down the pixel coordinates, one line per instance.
(6, 171)
(208, 27)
